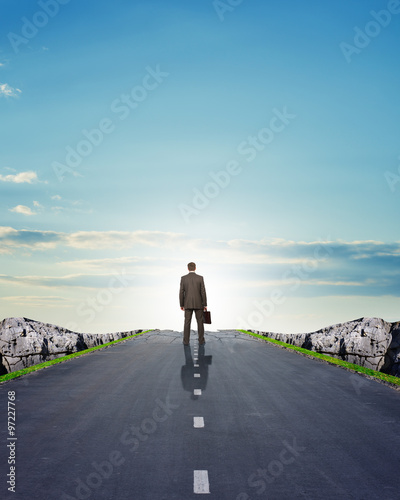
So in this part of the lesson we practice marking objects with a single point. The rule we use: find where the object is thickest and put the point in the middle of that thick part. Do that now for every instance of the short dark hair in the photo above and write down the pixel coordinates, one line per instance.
(192, 266)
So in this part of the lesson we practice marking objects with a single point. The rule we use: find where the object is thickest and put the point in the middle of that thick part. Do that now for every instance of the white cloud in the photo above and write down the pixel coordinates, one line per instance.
(93, 281)
(22, 177)
(107, 263)
(22, 209)
(37, 300)
(257, 260)
(238, 280)
(69, 206)
(123, 239)
(13, 239)
(37, 204)
(8, 91)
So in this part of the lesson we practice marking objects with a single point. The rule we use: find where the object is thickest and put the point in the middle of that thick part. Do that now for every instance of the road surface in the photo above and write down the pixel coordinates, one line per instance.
(237, 419)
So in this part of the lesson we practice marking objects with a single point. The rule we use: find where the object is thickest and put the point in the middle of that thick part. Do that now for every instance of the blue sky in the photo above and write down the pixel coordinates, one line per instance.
(258, 139)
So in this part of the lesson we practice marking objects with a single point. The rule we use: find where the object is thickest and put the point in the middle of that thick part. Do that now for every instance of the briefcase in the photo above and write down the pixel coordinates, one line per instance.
(207, 317)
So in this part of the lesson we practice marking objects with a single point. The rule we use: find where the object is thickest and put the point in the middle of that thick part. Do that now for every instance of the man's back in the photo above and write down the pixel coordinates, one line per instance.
(192, 294)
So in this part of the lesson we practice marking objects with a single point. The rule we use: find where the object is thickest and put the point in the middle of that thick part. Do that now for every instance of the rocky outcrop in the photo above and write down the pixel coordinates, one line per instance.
(24, 342)
(392, 361)
(370, 342)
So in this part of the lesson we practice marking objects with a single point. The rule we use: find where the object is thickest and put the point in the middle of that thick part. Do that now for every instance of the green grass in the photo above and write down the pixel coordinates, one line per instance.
(335, 361)
(24, 371)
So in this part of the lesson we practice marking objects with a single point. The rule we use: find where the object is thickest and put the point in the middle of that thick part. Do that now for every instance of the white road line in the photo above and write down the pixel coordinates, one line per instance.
(197, 392)
(196, 375)
(198, 422)
(200, 482)
(196, 366)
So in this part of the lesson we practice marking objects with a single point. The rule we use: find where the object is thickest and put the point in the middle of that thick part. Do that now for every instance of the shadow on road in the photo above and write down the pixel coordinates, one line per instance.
(195, 365)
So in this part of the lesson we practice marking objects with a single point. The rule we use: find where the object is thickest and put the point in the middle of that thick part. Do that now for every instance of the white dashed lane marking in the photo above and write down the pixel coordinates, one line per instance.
(198, 422)
(200, 482)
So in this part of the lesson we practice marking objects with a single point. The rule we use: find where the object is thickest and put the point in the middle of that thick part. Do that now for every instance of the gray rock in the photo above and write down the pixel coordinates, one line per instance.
(24, 342)
(392, 360)
(370, 342)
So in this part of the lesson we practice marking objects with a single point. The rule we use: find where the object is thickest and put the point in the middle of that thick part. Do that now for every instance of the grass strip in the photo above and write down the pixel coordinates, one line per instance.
(390, 379)
(24, 371)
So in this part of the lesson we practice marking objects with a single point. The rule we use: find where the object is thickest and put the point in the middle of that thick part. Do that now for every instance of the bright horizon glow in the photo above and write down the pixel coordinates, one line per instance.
(259, 141)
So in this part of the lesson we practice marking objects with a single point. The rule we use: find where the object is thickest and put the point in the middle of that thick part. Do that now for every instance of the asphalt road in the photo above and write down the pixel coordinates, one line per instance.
(125, 423)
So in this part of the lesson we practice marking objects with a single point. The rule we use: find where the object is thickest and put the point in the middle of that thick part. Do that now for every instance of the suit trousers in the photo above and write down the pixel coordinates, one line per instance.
(200, 324)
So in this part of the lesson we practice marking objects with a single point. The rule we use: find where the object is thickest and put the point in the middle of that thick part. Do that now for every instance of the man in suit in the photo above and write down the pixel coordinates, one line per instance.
(192, 297)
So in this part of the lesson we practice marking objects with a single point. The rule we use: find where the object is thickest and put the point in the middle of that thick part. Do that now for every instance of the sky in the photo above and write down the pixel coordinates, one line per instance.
(258, 139)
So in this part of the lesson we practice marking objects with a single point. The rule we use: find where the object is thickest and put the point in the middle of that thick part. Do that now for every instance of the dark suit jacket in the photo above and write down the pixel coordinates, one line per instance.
(192, 293)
